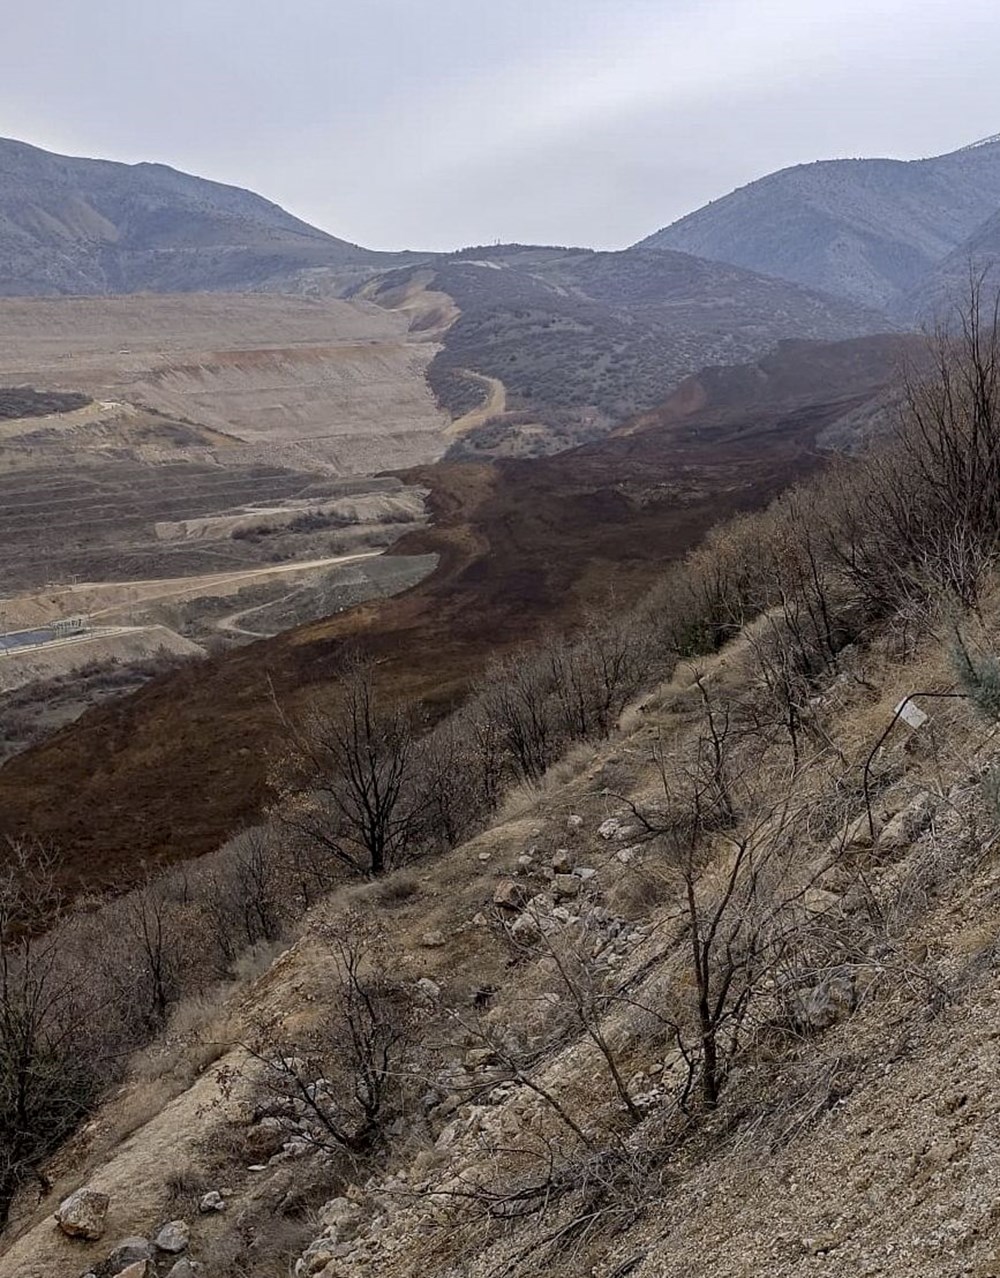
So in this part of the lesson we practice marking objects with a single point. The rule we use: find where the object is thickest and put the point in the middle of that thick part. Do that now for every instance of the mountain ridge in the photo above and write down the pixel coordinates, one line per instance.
(88, 226)
(867, 229)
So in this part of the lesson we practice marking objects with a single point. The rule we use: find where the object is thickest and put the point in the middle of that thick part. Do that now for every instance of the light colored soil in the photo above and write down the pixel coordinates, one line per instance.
(106, 602)
(494, 406)
(105, 411)
(336, 383)
(124, 644)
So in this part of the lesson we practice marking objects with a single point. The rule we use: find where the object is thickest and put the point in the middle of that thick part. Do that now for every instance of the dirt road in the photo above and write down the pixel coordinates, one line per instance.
(495, 404)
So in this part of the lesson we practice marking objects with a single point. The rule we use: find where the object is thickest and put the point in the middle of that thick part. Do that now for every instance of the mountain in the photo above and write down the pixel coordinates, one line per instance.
(579, 341)
(948, 283)
(94, 226)
(869, 230)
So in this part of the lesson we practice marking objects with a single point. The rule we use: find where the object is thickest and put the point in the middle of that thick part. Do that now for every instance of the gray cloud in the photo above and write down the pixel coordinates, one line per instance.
(434, 123)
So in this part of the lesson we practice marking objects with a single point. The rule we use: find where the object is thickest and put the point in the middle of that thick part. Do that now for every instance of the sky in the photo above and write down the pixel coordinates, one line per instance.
(433, 124)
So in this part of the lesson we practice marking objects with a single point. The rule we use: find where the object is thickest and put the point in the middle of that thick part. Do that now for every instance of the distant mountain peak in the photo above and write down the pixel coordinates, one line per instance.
(870, 230)
(74, 225)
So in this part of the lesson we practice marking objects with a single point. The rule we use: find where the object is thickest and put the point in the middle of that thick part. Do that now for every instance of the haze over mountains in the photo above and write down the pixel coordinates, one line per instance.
(870, 230)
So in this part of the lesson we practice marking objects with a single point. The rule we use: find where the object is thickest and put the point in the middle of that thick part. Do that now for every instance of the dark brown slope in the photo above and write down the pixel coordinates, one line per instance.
(171, 770)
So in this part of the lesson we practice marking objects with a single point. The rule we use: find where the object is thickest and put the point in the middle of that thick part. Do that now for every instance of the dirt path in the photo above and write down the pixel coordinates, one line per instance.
(494, 406)
(96, 599)
(228, 623)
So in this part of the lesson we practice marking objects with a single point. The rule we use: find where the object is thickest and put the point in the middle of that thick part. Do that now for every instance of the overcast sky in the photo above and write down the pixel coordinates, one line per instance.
(437, 123)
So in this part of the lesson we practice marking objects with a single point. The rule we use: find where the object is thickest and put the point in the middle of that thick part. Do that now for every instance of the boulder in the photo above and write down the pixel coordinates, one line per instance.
(341, 1218)
(525, 929)
(129, 1253)
(627, 855)
(614, 828)
(212, 1201)
(265, 1138)
(174, 1237)
(83, 1214)
(510, 895)
(566, 886)
(428, 990)
(433, 940)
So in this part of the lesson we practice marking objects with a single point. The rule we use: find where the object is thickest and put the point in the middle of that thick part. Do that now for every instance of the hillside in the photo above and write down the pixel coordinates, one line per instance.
(523, 545)
(949, 279)
(866, 229)
(84, 226)
(582, 341)
(707, 988)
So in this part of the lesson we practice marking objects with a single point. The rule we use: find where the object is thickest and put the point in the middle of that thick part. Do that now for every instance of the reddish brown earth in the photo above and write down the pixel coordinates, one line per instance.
(171, 770)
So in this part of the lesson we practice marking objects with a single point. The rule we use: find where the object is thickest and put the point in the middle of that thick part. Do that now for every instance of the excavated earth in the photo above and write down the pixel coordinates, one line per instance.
(170, 771)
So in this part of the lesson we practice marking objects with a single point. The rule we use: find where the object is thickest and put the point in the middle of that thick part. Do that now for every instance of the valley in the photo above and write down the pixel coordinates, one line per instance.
(521, 547)
(444, 826)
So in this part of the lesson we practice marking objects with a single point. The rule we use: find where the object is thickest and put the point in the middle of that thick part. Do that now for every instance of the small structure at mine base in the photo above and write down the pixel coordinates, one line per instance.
(67, 626)
(911, 714)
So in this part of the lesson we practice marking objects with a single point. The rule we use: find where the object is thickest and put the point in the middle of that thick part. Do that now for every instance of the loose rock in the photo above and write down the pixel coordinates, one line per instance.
(525, 929)
(510, 895)
(174, 1236)
(563, 861)
(83, 1214)
(566, 886)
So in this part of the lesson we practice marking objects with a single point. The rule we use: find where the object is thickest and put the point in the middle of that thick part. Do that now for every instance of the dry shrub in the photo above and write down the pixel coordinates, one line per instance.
(394, 889)
(637, 891)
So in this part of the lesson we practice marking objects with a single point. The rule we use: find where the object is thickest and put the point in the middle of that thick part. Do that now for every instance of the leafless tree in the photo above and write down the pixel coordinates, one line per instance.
(347, 1078)
(728, 833)
(352, 787)
(514, 697)
(51, 1068)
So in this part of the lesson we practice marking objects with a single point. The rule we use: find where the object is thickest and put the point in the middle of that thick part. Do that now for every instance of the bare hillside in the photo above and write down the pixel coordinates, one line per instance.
(72, 225)
(338, 385)
(870, 230)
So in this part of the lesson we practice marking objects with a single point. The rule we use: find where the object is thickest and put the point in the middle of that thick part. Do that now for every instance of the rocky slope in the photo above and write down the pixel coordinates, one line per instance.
(868, 230)
(71, 225)
(856, 1131)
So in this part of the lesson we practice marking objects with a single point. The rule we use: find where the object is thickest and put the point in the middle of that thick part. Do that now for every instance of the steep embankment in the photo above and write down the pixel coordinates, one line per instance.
(332, 384)
(855, 1131)
(523, 545)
